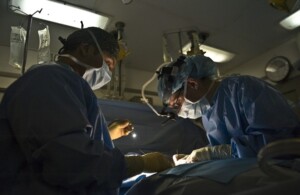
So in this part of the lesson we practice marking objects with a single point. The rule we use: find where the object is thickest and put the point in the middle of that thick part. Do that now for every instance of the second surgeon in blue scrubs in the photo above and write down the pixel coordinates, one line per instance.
(240, 114)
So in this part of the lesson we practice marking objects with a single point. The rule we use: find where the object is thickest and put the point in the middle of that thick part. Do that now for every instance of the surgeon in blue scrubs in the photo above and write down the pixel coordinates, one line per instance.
(240, 114)
(53, 136)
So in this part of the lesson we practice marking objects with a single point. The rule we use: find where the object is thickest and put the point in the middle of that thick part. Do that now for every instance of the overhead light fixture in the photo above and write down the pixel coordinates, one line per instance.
(60, 13)
(217, 55)
(126, 2)
(292, 21)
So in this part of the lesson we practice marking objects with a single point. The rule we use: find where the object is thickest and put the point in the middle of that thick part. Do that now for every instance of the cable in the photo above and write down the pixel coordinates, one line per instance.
(146, 84)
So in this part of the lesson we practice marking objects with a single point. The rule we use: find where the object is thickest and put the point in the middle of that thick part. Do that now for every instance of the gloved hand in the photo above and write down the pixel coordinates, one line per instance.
(180, 159)
(205, 153)
(150, 162)
(120, 128)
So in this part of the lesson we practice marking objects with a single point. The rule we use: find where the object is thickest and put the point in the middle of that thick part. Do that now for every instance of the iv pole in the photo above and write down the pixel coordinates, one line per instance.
(27, 34)
(120, 28)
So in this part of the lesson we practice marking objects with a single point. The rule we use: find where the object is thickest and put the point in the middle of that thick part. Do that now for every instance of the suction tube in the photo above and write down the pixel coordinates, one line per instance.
(146, 84)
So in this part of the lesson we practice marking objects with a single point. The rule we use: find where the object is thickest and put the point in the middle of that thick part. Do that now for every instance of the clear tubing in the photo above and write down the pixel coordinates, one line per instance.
(146, 84)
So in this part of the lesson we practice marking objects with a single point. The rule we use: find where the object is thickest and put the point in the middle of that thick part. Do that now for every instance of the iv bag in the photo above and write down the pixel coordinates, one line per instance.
(44, 46)
(17, 46)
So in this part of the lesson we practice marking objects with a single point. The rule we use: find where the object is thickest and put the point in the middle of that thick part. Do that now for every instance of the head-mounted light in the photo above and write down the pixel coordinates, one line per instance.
(167, 76)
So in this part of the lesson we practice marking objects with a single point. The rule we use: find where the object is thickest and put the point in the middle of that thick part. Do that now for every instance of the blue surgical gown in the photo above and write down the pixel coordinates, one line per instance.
(56, 137)
(248, 113)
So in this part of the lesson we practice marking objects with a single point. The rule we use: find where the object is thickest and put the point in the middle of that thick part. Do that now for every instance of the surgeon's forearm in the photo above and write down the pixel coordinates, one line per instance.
(209, 153)
(220, 151)
(150, 162)
(134, 165)
(74, 160)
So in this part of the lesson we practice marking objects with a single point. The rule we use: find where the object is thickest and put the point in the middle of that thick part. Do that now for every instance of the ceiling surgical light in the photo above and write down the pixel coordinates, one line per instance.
(292, 21)
(60, 13)
(217, 55)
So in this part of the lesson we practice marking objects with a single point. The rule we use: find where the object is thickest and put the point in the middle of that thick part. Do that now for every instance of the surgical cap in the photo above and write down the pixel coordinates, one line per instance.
(106, 41)
(196, 67)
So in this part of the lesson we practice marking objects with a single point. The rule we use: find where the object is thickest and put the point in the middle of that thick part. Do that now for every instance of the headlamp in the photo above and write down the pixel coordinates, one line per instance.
(167, 76)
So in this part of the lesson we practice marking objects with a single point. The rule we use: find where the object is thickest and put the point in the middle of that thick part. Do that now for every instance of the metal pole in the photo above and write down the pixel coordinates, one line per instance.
(120, 78)
(27, 38)
(120, 28)
(180, 42)
(26, 42)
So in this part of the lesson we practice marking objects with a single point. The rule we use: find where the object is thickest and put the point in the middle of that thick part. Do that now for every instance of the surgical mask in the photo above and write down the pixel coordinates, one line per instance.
(194, 110)
(98, 77)
(95, 77)
(190, 109)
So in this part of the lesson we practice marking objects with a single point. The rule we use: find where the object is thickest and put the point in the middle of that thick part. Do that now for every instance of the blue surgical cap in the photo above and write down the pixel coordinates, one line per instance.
(193, 67)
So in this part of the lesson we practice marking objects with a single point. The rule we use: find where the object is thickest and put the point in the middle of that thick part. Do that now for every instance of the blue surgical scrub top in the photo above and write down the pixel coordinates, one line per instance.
(248, 113)
(62, 141)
